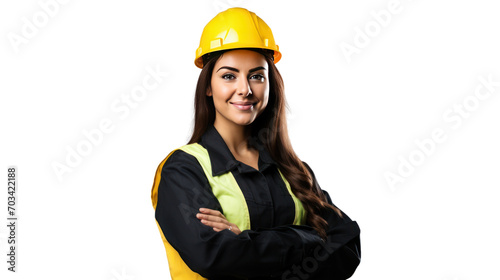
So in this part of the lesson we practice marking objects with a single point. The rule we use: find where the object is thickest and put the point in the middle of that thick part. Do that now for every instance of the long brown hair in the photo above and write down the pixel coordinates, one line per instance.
(268, 129)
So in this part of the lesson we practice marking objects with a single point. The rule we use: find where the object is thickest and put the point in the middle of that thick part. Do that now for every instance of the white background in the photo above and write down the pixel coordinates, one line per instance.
(353, 118)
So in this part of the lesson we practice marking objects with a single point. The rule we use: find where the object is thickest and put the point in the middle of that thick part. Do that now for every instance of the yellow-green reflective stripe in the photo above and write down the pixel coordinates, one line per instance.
(224, 187)
(229, 194)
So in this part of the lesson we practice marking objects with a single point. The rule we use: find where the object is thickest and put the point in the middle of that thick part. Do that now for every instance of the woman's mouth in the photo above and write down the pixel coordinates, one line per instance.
(243, 106)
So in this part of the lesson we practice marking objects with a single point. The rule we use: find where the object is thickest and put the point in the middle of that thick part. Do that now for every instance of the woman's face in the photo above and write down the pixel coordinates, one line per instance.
(239, 87)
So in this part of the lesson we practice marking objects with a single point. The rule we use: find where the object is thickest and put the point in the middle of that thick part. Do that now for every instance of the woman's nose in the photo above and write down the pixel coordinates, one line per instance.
(244, 87)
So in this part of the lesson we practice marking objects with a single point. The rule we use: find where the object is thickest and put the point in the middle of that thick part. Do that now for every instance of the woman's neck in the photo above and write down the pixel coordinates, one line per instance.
(236, 136)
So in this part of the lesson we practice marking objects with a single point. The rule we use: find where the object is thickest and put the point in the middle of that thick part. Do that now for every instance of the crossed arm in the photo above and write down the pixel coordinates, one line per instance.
(205, 243)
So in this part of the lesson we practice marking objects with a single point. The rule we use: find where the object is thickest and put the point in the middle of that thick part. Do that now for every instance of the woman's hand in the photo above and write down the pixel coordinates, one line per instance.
(216, 220)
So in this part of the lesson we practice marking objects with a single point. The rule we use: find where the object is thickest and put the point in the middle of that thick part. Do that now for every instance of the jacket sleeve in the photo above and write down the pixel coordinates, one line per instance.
(183, 189)
(341, 255)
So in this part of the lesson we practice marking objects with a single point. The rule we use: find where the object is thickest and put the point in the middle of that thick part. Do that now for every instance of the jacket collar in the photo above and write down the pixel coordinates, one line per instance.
(221, 158)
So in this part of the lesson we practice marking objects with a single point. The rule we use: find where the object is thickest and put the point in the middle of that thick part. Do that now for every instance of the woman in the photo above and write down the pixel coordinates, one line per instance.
(236, 202)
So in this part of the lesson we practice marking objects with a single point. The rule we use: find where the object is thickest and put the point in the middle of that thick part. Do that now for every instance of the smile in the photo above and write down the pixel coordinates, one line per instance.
(243, 107)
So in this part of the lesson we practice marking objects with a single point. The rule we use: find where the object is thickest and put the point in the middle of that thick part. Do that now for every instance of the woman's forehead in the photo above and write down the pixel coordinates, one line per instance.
(242, 58)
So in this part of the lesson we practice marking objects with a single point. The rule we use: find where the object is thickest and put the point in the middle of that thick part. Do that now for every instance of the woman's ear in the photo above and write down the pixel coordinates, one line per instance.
(209, 92)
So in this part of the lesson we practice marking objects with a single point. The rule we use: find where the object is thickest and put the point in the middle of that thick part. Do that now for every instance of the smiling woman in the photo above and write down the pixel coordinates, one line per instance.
(236, 202)
(239, 88)
(240, 92)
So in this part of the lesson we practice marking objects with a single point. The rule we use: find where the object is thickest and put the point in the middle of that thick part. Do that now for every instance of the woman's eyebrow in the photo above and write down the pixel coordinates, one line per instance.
(237, 71)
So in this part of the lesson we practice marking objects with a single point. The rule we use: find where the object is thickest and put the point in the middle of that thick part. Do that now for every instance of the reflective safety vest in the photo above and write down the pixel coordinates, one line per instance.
(233, 203)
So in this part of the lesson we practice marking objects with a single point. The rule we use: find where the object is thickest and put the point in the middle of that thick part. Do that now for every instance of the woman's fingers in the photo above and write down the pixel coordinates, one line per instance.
(211, 212)
(216, 220)
(212, 215)
(215, 225)
(212, 218)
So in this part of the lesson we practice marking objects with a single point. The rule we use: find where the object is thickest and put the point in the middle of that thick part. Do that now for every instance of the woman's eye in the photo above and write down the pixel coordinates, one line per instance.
(227, 76)
(259, 77)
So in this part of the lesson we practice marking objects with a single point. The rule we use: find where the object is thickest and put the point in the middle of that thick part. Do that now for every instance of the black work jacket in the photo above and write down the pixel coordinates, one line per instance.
(273, 248)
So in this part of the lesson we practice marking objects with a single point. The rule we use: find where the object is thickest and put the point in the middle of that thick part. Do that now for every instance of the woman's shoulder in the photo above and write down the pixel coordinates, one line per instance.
(182, 157)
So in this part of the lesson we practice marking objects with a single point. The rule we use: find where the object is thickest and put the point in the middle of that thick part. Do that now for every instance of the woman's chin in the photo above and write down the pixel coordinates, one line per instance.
(245, 121)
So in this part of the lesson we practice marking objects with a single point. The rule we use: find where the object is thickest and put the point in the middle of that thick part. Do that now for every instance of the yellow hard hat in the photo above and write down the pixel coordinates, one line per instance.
(235, 28)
